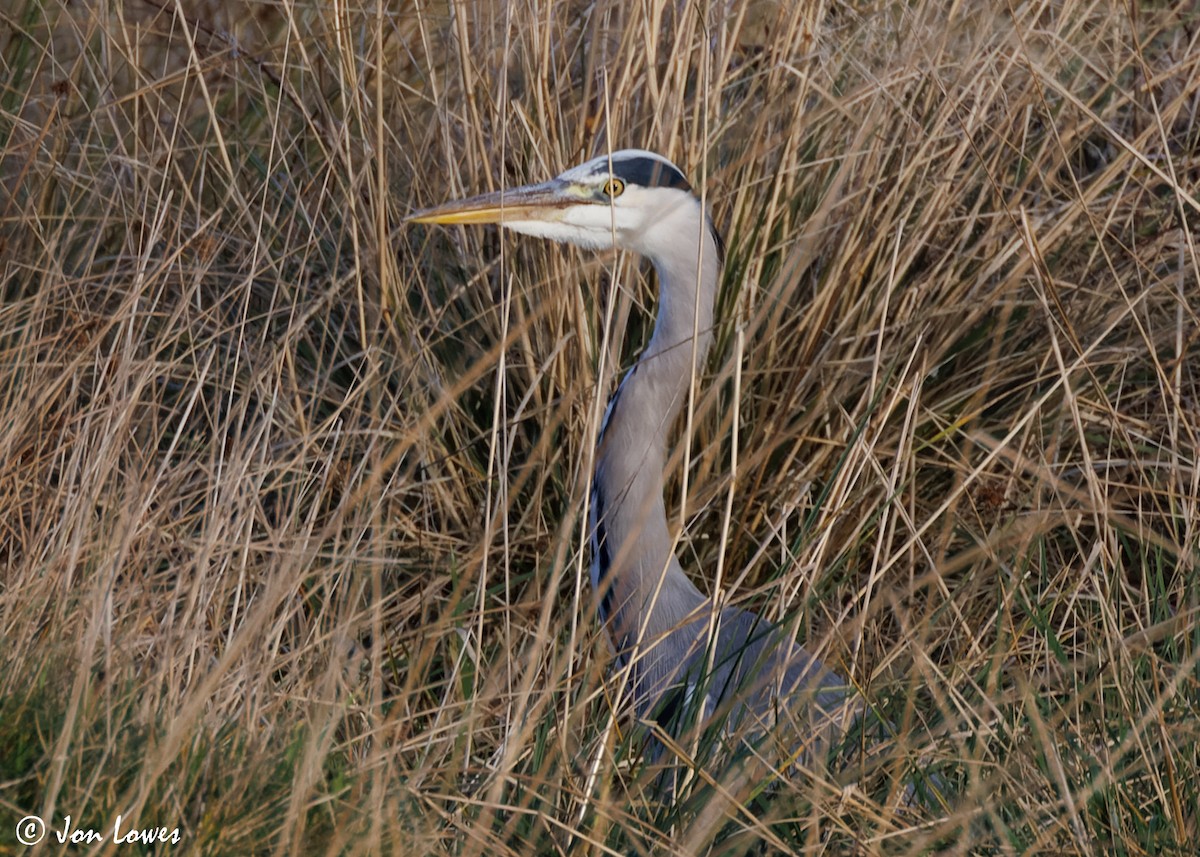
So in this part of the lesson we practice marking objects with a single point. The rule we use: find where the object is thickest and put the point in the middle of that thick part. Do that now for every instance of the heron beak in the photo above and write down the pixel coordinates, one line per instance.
(538, 202)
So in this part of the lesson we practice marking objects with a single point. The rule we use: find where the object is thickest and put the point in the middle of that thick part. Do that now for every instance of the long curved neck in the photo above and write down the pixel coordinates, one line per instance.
(643, 592)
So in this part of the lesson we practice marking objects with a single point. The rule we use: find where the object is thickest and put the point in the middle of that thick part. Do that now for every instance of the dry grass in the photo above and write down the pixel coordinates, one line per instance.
(290, 495)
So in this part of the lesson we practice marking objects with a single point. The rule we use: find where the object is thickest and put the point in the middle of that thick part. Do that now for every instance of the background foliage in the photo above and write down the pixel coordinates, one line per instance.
(290, 493)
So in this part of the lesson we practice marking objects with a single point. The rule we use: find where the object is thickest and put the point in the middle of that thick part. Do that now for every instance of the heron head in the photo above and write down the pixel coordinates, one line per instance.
(623, 200)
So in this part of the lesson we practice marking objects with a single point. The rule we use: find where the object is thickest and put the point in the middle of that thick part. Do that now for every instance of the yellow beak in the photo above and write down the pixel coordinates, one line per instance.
(539, 202)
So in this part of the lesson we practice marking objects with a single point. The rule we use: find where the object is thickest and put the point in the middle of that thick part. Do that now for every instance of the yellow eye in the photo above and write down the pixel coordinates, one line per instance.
(613, 188)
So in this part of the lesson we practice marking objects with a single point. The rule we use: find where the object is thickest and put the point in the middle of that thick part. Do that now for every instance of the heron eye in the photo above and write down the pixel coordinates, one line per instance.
(613, 188)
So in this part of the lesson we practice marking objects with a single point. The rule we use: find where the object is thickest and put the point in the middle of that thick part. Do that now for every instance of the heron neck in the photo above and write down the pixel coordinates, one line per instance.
(643, 591)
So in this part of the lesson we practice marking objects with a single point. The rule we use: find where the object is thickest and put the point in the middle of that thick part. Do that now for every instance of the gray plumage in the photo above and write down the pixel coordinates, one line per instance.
(656, 618)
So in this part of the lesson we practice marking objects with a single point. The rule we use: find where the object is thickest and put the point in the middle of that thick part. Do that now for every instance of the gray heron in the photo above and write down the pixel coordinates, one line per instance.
(689, 660)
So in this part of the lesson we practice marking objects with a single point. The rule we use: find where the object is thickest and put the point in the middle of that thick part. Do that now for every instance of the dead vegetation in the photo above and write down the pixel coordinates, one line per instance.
(290, 496)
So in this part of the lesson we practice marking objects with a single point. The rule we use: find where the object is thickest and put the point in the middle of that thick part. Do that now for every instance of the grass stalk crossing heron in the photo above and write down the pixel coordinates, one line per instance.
(688, 659)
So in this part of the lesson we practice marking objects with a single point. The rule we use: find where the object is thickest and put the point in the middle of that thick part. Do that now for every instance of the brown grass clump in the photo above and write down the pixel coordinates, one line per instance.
(290, 495)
